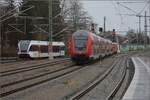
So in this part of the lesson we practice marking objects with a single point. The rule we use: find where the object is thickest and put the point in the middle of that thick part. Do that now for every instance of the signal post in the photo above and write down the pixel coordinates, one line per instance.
(50, 49)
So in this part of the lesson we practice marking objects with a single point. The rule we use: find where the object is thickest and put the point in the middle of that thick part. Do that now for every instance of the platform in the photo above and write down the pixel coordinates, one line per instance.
(139, 88)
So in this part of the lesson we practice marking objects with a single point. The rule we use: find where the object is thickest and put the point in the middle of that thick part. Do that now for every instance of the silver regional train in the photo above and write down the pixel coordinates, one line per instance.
(39, 49)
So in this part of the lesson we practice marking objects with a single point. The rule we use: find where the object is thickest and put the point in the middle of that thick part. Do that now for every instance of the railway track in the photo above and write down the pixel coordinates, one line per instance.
(20, 85)
(32, 67)
(8, 60)
(78, 95)
(13, 62)
(23, 84)
(31, 75)
(120, 82)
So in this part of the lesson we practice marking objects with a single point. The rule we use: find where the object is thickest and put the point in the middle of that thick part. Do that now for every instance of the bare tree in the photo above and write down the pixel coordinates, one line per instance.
(75, 16)
(136, 38)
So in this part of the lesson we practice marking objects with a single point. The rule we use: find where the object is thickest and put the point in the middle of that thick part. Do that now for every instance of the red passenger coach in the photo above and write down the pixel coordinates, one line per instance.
(85, 45)
(114, 47)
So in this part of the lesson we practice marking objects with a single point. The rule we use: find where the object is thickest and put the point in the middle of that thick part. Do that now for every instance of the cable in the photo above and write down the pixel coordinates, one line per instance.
(115, 0)
(144, 7)
(121, 17)
(127, 7)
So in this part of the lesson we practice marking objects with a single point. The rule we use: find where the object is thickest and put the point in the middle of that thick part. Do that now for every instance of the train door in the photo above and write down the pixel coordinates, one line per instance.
(56, 51)
(100, 48)
(103, 48)
(39, 51)
(44, 51)
(62, 50)
(34, 51)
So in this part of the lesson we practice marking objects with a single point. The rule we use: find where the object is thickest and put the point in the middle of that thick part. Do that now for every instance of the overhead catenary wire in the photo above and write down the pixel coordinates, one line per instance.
(127, 7)
(115, 0)
(135, 14)
(146, 4)
(121, 17)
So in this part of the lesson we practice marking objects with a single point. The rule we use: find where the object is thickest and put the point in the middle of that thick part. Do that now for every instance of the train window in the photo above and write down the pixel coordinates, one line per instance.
(81, 33)
(62, 48)
(44, 49)
(34, 48)
(24, 45)
(81, 39)
(81, 42)
(56, 48)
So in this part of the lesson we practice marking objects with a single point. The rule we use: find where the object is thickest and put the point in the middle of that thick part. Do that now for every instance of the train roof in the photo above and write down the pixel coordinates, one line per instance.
(114, 43)
(58, 43)
(101, 38)
(93, 35)
(43, 42)
(82, 31)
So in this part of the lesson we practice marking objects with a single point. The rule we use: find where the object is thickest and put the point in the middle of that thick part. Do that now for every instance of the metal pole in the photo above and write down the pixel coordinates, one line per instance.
(75, 15)
(1, 35)
(137, 38)
(50, 30)
(25, 25)
(104, 24)
(149, 23)
(145, 39)
(139, 29)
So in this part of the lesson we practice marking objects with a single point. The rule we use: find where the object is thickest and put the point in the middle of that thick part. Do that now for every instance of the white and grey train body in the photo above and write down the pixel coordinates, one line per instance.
(39, 49)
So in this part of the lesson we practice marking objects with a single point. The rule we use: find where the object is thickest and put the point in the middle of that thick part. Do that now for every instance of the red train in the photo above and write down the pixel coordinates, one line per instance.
(85, 46)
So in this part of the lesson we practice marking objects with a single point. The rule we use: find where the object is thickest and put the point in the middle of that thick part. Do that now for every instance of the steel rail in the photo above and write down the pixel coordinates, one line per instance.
(87, 89)
(37, 76)
(8, 60)
(72, 68)
(113, 93)
(33, 67)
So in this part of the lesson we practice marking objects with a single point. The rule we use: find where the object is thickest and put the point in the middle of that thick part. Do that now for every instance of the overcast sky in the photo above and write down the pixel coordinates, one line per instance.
(110, 9)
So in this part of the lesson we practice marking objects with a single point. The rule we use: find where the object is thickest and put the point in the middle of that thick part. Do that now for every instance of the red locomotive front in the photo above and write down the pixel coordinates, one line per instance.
(85, 46)
(80, 46)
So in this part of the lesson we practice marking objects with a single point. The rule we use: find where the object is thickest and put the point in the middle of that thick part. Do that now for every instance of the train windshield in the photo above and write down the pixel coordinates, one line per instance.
(24, 45)
(81, 39)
